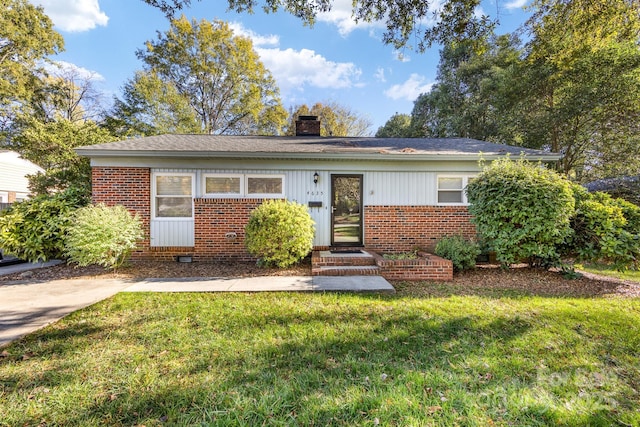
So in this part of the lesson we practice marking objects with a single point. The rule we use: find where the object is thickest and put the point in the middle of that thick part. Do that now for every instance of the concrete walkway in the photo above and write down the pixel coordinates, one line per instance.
(27, 307)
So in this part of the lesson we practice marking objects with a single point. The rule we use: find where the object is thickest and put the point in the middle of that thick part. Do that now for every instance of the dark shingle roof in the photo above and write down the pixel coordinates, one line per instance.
(305, 147)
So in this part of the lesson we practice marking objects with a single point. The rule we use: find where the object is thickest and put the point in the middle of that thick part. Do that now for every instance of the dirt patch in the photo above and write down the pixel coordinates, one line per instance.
(483, 281)
(491, 280)
(159, 269)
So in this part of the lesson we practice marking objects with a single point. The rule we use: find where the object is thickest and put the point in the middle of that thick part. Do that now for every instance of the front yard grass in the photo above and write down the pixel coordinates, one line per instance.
(329, 359)
(607, 270)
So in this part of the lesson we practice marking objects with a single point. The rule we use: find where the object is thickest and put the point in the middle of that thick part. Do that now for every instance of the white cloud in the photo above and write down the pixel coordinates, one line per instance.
(74, 15)
(515, 4)
(67, 68)
(410, 89)
(379, 75)
(292, 69)
(340, 15)
(257, 39)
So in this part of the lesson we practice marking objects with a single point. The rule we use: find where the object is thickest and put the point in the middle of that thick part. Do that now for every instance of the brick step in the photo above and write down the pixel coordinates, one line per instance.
(342, 270)
(324, 259)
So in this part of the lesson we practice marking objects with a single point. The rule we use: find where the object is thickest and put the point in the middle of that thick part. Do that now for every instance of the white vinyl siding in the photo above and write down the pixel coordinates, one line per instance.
(380, 188)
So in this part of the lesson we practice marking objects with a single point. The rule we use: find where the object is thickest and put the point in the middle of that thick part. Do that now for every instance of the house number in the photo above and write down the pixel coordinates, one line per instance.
(315, 193)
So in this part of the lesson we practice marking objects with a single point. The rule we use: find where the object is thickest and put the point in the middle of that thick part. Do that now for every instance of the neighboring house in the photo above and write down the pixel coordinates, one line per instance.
(14, 185)
(194, 193)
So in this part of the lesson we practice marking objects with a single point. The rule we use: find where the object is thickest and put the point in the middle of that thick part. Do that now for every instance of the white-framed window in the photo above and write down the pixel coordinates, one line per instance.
(243, 185)
(451, 189)
(265, 185)
(172, 195)
(223, 185)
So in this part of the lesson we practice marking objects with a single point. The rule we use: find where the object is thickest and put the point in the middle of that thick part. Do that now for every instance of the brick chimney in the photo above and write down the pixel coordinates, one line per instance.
(307, 126)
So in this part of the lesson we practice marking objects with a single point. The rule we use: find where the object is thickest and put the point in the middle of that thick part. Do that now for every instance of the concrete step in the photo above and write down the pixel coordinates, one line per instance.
(346, 270)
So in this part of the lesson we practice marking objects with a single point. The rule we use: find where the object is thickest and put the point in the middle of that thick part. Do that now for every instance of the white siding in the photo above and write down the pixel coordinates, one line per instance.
(172, 233)
(380, 187)
(13, 171)
(399, 188)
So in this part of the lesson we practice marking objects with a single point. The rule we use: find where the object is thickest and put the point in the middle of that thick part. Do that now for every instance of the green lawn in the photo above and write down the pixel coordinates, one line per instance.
(329, 359)
(607, 270)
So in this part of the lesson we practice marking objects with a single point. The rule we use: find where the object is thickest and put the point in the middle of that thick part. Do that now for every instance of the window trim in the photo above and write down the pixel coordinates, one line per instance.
(264, 195)
(223, 195)
(465, 182)
(244, 186)
(154, 196)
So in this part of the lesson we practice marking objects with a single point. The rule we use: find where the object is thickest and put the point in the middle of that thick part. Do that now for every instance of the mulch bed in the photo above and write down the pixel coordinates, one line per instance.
(487, 280)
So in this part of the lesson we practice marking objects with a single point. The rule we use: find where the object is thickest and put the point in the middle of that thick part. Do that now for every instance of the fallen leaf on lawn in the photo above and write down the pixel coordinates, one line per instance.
(433, 409)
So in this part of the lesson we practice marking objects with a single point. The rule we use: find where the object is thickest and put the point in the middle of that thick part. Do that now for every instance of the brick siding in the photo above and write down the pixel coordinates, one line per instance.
(425, 267)
(219, 228)
(129, 187)
(394, 229)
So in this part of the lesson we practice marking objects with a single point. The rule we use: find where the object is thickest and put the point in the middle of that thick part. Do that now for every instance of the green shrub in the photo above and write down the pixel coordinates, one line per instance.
(34, 230)
(460, 251)
(280, 233)
(402, 256)
(605, 230)
(523, 210)
(103, 235)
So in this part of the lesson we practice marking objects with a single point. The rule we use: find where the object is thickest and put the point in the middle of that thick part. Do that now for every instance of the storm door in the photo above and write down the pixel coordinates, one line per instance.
(346, 210)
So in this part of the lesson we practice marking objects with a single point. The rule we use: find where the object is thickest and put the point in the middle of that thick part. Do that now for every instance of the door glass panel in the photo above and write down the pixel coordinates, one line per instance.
(347, 210)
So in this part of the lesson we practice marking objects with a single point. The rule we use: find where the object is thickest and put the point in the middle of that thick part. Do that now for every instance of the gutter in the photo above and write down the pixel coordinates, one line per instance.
(351, 155)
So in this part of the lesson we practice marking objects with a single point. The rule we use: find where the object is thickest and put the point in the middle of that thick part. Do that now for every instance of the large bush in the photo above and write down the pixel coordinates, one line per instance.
(34, 230)
(460, 251)
(605, 229)
(102, 235)
(279, 233)
(523, 210)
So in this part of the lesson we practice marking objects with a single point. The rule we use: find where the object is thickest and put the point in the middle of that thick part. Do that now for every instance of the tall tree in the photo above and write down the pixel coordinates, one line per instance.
(70, 93)
(51, 145)
(581, 85)
(398, 126)
(217, 74)
(151, 107)
(27, 37)
(335, 119)
(470, 98)
(424, 21)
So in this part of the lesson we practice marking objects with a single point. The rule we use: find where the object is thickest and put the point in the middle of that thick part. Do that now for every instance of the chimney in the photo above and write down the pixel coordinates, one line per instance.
(307, 126)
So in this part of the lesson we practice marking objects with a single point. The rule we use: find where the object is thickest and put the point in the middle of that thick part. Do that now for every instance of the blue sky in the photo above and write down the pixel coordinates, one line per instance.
(335, 60)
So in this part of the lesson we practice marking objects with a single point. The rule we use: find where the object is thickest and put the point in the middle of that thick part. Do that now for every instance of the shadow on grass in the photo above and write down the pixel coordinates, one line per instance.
(300, 359)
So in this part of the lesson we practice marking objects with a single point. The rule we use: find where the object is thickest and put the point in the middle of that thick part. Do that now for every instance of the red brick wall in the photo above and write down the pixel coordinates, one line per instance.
(129, 187)
(393, 229)
(215, 219)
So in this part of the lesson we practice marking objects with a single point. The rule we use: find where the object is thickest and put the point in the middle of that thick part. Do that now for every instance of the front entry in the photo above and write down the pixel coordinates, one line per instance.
(346, 210)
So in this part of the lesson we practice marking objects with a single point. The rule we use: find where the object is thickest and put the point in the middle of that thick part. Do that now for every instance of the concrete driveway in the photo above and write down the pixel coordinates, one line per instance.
(26, 307)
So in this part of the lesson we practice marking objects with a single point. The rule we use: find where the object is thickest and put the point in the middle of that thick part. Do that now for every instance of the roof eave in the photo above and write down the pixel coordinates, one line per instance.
(352, 155)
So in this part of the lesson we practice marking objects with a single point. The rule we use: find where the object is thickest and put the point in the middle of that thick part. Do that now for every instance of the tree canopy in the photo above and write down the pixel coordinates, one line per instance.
(335, 119)
(425, 22)
(27, 37)
(573, 88)
(201, 77)
(398, 126)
